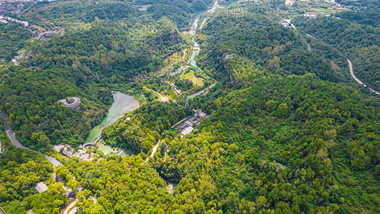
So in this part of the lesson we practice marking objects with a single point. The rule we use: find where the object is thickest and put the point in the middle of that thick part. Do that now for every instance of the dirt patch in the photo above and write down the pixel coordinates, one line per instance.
(39, 28)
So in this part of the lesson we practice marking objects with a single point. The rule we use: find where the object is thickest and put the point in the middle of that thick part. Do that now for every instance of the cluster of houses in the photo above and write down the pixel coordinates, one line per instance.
(68, 151)
(187, 127)
(5, 19)
(9, 8)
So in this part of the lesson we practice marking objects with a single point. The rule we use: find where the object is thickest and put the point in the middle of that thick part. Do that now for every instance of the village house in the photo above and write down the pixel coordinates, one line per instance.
(187, 127)
(41, 187)
(311, 15)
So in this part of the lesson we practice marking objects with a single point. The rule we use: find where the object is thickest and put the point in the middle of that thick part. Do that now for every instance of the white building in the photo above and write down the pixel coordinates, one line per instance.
(41, 187)
(186, 131)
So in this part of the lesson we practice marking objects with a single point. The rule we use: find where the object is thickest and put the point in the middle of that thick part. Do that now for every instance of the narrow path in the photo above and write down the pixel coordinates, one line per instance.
(66, 211)
(180, 121)
(2, 211)
(357, 80)
(153, 152)
(10, 132)
(93, 143)
(308, 46)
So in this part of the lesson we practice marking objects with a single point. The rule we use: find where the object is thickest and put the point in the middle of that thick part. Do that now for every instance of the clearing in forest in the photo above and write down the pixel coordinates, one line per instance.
(191, 76)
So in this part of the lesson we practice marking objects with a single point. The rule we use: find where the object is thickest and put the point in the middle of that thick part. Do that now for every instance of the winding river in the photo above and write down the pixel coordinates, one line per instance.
(197, 49)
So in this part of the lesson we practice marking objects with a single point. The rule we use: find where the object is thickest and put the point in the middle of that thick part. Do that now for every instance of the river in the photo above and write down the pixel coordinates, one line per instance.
(196, 51)
(123, 103)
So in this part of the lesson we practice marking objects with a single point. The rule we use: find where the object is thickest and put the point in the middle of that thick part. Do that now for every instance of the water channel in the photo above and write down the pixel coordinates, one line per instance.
(197, 49)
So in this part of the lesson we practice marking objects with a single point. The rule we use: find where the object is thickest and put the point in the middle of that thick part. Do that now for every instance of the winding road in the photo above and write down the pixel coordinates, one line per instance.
(351, 70)
(66, 211)
(357, 80)
(16, 143)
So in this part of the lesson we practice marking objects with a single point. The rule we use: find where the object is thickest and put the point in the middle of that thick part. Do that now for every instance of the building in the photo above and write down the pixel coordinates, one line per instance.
(187, 130)
(41, 187)
(311, 15)
(47, 34)
(59, 148)
(71, 103)
(187, 127)
(229, 56)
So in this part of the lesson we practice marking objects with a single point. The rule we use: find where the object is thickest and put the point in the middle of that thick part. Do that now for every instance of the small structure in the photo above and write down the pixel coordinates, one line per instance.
(69, 193)
(71, 103)
(311, 15)
(289, 2)
(187, 130)
(47, 34)
(58, 148)
(142, 8)
(41, 187)
(229, 56)
(187, 127)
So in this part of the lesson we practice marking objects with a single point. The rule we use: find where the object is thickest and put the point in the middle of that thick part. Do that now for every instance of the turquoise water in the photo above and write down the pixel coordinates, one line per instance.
(123, 103)
(179, 70)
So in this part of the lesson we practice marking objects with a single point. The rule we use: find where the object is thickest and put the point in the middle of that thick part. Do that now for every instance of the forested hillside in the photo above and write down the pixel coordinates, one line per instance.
(289, 145)
(105, 52)
(144, 127)
(270, 122)
(360, 43)
(109, 49)
(12, 37)
(20, 170)
(251, 34)
(31, 100)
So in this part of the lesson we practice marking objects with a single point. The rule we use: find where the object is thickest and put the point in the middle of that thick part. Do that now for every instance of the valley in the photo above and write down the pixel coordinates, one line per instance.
(189, 106)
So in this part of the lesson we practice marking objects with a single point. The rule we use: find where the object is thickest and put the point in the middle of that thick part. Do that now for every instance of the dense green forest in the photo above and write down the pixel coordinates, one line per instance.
(253, 39)
(81, 63)
(286, 131)
(87, 11)
(289, 145)
(109, 49)
(31, 100)
(144, 127)
(359, 43)
(20, 170)
(13, 37)
(367, 5)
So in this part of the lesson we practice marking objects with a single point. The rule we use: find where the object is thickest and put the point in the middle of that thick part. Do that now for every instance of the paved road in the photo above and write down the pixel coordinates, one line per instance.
(15, 142)
(357, 80)
(2, 211)
(70, 206)
(10, 132)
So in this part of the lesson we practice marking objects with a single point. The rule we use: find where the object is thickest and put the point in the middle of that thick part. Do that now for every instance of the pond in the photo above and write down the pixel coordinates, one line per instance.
(123, 103)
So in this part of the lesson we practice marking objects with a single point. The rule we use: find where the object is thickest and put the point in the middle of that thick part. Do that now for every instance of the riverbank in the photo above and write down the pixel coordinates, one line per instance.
(123, 103)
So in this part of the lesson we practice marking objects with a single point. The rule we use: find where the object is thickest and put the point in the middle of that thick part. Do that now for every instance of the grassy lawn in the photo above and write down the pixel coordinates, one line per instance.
(196, 80)
(171, 92)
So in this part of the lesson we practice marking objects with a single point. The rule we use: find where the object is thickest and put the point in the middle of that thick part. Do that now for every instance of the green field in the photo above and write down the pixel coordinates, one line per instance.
(171, 92)
(191, 76)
